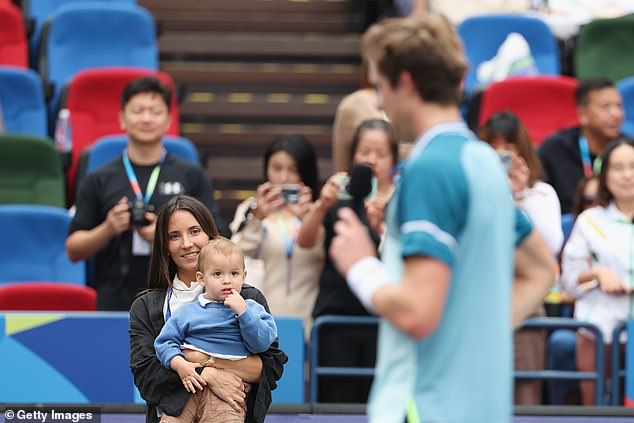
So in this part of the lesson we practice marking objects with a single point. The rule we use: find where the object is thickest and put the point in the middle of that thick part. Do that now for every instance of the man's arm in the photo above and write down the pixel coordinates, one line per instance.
(86, 243)
(415, 306)
(535, 274)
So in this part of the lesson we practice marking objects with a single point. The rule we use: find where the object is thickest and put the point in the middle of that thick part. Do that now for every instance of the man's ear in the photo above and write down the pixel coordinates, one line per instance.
(406, 81)
(582, 115)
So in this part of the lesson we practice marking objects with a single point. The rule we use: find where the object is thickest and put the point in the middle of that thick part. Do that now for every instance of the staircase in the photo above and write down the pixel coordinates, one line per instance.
(249, 70)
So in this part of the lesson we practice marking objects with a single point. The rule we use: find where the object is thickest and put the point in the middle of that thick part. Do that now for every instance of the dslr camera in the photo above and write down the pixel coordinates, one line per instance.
(137, 210)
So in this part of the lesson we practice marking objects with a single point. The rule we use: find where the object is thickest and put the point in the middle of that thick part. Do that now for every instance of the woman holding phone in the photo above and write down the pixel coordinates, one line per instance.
(266, 226)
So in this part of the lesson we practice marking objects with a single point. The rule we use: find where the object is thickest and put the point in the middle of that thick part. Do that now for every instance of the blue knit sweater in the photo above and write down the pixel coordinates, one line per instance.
(216, 329)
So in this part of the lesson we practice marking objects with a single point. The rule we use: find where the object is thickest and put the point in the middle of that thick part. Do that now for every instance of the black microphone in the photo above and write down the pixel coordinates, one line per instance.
(359, 187)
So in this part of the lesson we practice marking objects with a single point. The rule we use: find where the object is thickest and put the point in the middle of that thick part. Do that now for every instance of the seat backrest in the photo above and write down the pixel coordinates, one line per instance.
(604, 48)
(13, 44)
(544, 104)
(37, 11)
(22, 101)
(47, 296)
(94, 100)
(482, 36)
(626, 88)
(35, 249)
(87, 35)
(109, 147)
(30, 171)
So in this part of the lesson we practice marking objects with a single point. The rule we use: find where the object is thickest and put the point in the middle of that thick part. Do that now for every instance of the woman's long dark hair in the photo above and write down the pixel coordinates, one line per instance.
(162, 267)
(303, 152)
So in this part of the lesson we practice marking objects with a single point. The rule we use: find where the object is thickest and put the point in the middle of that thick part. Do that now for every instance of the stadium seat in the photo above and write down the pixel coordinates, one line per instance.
(34, 248)
(626, 88)
(94, 100)
(30, 171)
(13, 43)
(604, 48)
(22, 101)
(544, 104)
(108, 148)
(37, 12)
(47, 296)
(87, 35)
(482, 36)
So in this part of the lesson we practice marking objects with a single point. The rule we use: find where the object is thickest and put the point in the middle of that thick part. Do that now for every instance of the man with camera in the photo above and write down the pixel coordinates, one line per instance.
(115, 208)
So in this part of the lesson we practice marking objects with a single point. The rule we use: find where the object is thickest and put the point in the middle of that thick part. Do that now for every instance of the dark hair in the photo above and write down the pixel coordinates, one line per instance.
(506, 125)
(586, 86)
(604, 196)
(374, 123)
(162, 267)
(302, 151)
(146, 84)
(580, 202)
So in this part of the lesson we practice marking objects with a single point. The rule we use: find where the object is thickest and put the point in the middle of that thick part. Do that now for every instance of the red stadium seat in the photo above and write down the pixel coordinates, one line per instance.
(47, 296)
(94, 101)
(13, 42)
(545, 104)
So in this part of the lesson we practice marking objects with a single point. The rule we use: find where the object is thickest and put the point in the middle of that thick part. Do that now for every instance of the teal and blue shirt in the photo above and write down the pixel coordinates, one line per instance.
(452, 203)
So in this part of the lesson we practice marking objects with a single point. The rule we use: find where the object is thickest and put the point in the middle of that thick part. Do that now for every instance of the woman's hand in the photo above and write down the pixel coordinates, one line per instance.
(519, 174)
(267, 200)
(226, 386)
(305, 201)
(330, 190)
(375, 210)
(609, 282)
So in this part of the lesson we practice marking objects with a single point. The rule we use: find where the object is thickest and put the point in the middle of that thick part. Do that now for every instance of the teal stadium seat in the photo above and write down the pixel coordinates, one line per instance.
(30, 171)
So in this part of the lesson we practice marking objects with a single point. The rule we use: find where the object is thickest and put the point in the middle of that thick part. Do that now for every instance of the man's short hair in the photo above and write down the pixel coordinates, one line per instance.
(218, 245)
(428, 47)
(146, 84)
(586, 86)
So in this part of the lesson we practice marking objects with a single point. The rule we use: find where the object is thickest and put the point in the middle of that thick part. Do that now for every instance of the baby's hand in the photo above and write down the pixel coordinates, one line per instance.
(236, 302)
(187, 372)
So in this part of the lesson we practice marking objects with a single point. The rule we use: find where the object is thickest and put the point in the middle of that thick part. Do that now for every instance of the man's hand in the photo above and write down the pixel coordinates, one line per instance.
(236, 302)
(147, 231)
(118, 218)
(352, 241)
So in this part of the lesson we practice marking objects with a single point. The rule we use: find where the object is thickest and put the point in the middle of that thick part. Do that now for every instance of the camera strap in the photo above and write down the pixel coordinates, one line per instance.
(134, 183)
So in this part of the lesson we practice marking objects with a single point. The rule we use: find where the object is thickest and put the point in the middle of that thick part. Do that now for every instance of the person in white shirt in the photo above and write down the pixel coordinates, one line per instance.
(506, 134)
(596, 262)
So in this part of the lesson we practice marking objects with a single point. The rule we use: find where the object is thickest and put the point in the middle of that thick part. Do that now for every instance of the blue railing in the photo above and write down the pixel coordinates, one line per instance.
(536, 323)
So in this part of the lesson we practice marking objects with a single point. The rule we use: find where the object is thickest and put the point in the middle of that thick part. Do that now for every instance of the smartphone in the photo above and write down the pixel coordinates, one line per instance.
(290, 193)
(343, 193)
(507, 160)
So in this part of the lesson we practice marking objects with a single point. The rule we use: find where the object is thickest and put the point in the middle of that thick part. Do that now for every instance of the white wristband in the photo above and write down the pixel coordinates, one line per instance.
(365, 277)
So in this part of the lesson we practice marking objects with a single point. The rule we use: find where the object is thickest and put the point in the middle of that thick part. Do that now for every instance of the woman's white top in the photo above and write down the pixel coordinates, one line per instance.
(541, 204)
(181, 294)
(601, 236)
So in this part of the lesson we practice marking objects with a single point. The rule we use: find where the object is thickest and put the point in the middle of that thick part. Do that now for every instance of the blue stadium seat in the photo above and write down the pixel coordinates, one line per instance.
(108, 148)
(483, 35)
(22, 101)
(567, 220)
(290, 388)
(626, 88)
(35, 245)
(37, 12)
(94, 35)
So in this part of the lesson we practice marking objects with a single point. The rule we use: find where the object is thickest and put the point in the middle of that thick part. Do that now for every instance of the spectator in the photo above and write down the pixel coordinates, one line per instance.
(596, 263)
(217, 324)
(114, 219)
(183, 227)
(569, 155)
(266, 226)
(507, 135)
(372, 144)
